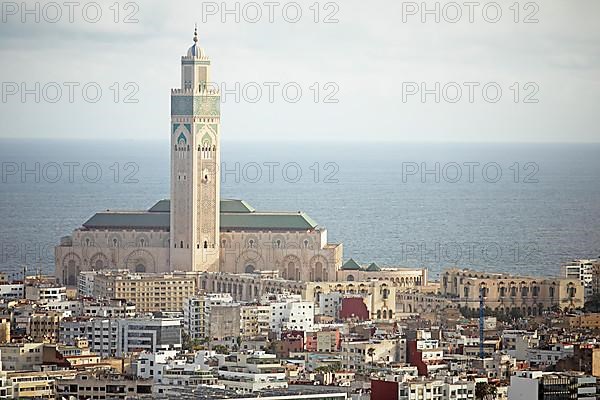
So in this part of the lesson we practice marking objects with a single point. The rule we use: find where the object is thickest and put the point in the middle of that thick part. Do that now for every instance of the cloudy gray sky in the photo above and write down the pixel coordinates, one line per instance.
(373, 56)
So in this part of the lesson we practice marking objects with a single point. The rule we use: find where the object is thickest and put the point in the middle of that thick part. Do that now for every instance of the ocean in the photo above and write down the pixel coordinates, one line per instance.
(516, 208)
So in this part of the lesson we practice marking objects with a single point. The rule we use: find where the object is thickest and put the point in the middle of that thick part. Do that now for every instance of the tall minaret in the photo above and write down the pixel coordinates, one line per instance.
(195, 158)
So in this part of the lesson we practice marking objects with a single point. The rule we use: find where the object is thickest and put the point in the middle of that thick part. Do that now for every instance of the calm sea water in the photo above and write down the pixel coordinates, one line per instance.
(543, 210)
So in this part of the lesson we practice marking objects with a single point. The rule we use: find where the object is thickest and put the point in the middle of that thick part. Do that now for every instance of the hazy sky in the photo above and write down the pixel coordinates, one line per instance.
(374, 54)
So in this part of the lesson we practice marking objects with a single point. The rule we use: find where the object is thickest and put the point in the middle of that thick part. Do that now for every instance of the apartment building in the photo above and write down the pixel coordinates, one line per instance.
(149, 292)
(21, 356)
(290, 313)
(254, 320)
(197, 313)
(110, 337)
(581, 270)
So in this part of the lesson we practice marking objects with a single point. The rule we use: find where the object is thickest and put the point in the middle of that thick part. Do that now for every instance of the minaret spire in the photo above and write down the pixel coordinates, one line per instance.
(195, 33)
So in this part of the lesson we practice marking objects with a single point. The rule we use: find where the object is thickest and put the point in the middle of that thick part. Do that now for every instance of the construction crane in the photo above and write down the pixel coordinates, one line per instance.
(481, 321)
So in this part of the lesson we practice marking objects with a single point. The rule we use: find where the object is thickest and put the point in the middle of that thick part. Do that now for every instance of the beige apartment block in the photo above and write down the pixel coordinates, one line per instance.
(149, 292)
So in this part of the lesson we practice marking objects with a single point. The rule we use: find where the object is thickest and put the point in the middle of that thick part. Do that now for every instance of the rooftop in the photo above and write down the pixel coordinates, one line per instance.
(235, 215)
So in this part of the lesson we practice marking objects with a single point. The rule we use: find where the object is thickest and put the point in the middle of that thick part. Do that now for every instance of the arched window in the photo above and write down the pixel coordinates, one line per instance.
(115, 242)
(318, 275)
(278, 243)
(251, 243)
(205, 244)
(306, 244)
(378, 314)
(181, 244)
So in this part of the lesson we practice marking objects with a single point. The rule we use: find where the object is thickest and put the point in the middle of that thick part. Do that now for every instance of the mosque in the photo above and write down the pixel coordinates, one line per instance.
(196, 230)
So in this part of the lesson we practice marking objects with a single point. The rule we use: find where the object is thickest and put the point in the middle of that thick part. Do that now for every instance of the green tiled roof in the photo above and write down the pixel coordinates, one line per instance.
(351, 265)
(235, 215)
(161, 206)
(227, 205)
(255, 220)
(373, 268)
(129, 220)
(236, 206)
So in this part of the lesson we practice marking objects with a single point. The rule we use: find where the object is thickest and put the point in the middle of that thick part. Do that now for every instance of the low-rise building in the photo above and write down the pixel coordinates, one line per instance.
(12, 291)
(36, 385)
(253, 372)
(102, 384)
(527, 385)
(364, 354)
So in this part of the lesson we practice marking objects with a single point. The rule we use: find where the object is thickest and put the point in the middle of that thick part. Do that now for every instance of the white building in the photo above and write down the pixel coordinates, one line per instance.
(527, 385)
(108, 309)
(144, 334)
(330, 304)
(68, 308)
(290, 312)
(111, 337)
(12, 291)
(150, 365)
(45, 293)
(518, 342)
(101, 334)
(196, 313)
(247, 373)
(436, 389)
(85, 283)
(543, 357)
(582, 270)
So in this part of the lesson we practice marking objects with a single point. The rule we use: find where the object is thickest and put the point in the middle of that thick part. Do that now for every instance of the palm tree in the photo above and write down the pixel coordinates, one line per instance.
(485, 391)
(371, 353)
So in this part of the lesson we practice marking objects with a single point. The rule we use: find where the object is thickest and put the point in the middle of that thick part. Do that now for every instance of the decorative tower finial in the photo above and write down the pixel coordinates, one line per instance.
(195, 33)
